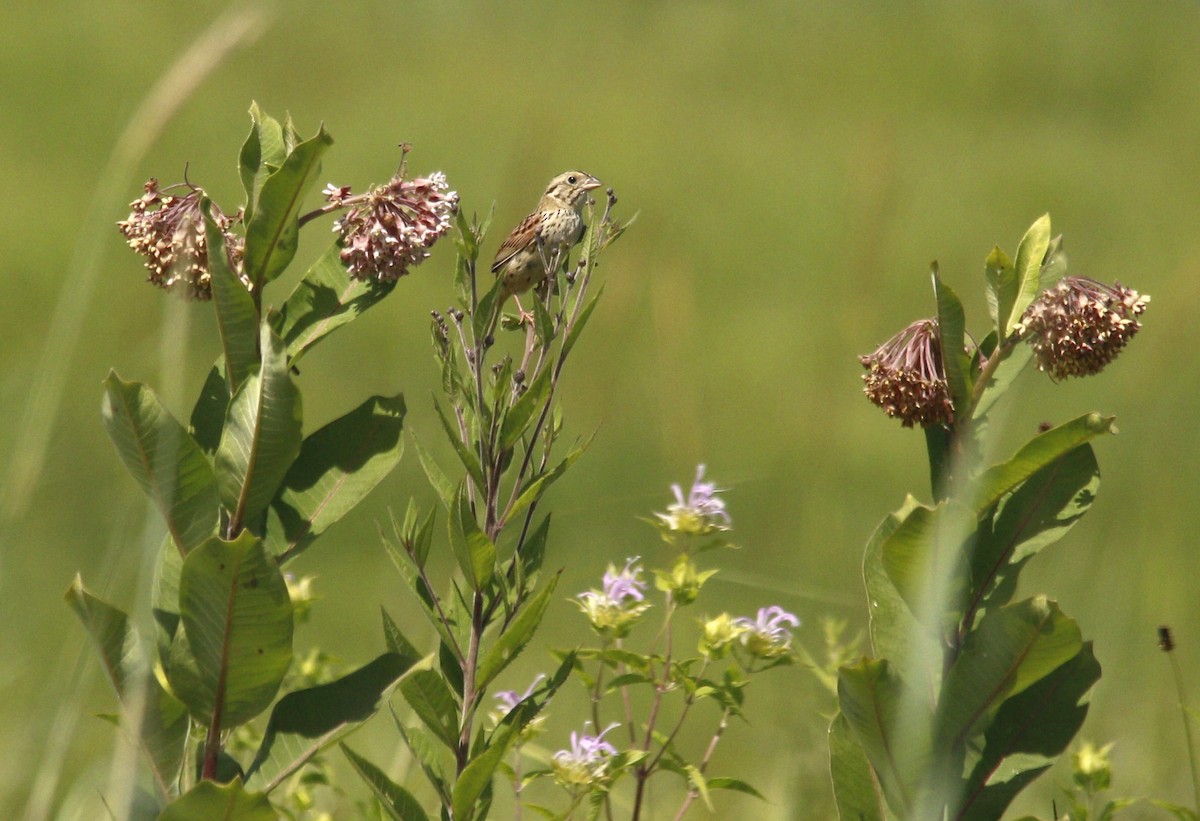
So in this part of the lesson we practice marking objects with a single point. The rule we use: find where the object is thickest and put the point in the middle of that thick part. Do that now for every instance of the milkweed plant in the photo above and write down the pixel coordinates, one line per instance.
(966, 695)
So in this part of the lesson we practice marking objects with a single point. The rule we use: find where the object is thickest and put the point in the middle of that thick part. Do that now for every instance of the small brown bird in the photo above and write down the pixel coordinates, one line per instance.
(526, 255)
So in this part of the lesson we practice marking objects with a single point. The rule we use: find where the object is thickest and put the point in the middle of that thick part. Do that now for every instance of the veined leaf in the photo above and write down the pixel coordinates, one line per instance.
(237, 315)
(924, 558)
(474, 551)
(272, 232)
(262, 152)
(426, 692)
(337, 467)
(262, 435)
(236, 643)
(228, 802)
(951, 334)
(854, 788)
(163, 458)
(306, 721)
(1001, 287)
(513, 640)
(398, 802)
(397, 643)
(1027, 270)
(208, 414)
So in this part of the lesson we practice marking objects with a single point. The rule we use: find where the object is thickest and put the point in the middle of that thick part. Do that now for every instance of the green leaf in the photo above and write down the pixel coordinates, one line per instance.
(397, 643)
(208, 414)
(399, 803)
(163, 458)
(272, 232)
(304, 722)
(888, 722)
(1013, 648)
(337, 467)
(262, 435)
(924, 558)
(1001, 286)
(262, 152)
(163, 724)
(1027, 271)
(1041, 721)
(998, 480)
(209, 801)
(736, 785)
(474, 551)
(468, 457)
(951, 335)
(541, 483)
(522, 412)
(324, 300)
(1009, 369)
(476, 777)
(895, 634)
(428, 756)
(426, 692)
(854, 789)
(237, 314)
(514, 638)
(580, 322)
(236, 644)
(1040, 512)
(437, 478)
(1178, 810)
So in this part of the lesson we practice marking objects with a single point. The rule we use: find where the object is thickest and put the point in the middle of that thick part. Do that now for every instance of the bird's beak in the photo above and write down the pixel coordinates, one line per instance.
(591, 184)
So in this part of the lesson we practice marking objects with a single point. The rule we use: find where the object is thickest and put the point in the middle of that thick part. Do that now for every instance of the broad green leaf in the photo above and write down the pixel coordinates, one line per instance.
(895, 634)
(209, 801)
(236, 644)
(1007, 371)
(305, 722)
(323, 301)
(522, 412)
(925, 559)
(426, 692)
(468, 457)
(237, 315)
(854, 788)
(514, 638)
(398, 802)
(891, 726)
(1027, 270)
(262, 435)
(474, 551)
(1040, 512)
(951, 335)
(272, 232)
(262, 152)
(1037, 725)
(1054, 265)
(163, 458)
(208, 414)
(337, 467)
(163, 723)
(1001, 287)
(1013, 648)
(998, 480)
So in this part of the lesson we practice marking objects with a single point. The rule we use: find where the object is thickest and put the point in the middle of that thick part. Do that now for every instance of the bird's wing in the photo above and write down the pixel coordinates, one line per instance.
(521, 237)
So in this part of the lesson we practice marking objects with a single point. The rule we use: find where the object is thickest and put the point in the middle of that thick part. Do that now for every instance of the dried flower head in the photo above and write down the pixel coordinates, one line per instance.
(586, 763)
(1079, 325)
(768, 636)
(905, 377)
(614, 609)
(392, 226)
(168, 230)
(701, 513)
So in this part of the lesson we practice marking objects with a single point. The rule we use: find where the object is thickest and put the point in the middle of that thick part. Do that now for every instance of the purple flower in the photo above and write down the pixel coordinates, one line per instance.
(768, 636)
(702, 512)
(507, 701)
(613, 610)
(905, 377)
(586, 763)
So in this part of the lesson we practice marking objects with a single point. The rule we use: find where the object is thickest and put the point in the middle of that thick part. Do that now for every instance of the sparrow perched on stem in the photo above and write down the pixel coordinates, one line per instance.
(529, 253)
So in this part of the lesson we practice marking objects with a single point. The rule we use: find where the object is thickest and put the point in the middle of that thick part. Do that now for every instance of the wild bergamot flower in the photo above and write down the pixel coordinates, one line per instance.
(614, 609)
(768, 636)
(700, 513)
(586, 763)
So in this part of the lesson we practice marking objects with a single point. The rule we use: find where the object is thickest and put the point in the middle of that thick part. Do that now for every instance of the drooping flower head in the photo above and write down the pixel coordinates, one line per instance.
(615, 608)
(905, 377)
(393, 226)
(586, 763)
(1079, 325)
(768, 636)
(700, 513)
(168, 230)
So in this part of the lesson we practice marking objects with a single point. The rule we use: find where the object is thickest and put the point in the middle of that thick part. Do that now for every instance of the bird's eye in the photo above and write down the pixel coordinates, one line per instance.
(572, 179)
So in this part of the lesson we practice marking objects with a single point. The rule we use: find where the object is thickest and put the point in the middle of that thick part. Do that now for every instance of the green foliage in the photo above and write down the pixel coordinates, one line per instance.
(970, 695)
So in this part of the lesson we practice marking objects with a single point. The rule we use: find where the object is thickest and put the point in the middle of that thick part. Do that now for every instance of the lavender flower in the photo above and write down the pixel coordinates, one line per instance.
(1080, 325)
(507, 701)
(905, 377)
(768, 636)
(168, 230)
(586, 763)
(393, 226)
(701, 513)
(614, 609)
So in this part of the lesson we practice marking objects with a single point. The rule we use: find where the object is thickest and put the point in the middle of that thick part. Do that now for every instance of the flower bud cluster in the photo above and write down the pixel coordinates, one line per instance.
(906, 378)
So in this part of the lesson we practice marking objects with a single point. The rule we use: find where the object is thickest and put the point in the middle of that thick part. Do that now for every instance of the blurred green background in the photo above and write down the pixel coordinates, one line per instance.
(796, 166)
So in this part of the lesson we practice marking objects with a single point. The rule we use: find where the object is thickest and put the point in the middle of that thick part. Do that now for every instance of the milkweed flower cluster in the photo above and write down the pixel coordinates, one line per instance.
(168, 230)
(616, 607)
(586, 763)
(906, 378)
(1080, 325)
(392, 226)
(702, 512)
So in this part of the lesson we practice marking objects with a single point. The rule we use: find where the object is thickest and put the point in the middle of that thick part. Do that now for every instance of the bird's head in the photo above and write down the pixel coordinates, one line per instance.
(569, 189)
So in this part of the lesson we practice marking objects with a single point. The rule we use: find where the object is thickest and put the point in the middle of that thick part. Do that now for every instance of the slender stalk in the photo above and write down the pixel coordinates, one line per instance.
(644, 771)
(708, 754)
(1177, 673)
(470, 697)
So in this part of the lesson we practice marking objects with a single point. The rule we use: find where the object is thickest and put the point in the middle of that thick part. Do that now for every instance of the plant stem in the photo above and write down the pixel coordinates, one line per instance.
(470, 697)
(708, 754)
(1187, 728)
(644, 771)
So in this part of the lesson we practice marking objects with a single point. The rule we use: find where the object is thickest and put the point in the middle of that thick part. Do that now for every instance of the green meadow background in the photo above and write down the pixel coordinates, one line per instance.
(796, 166)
